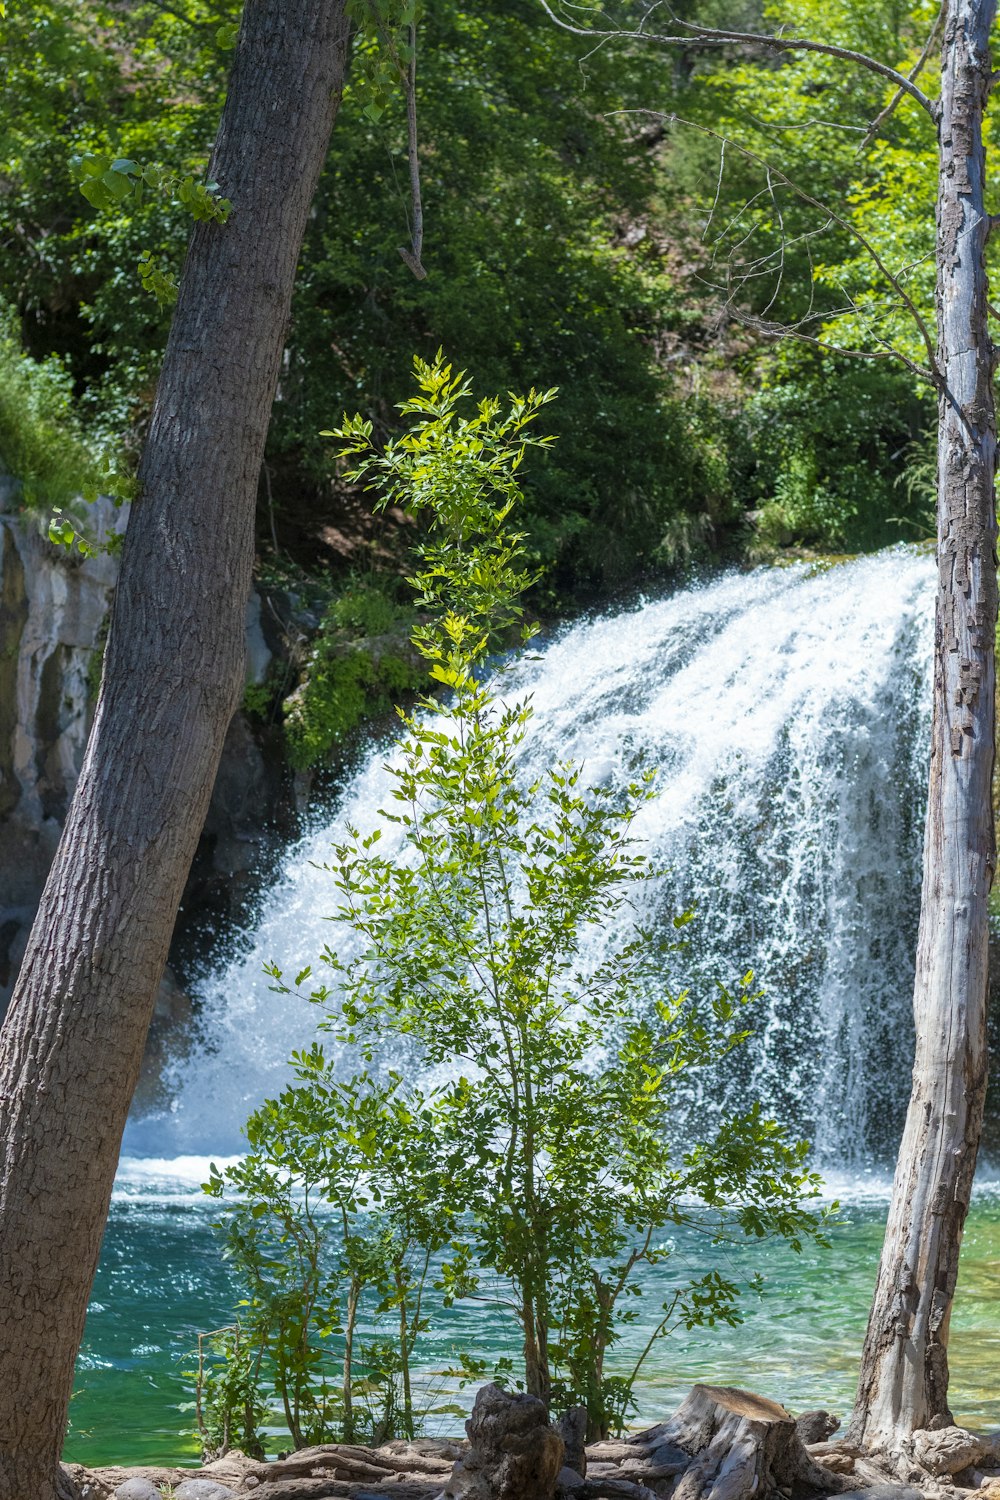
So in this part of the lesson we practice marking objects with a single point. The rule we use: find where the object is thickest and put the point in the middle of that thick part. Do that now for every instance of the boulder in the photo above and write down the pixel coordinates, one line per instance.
(816, 1426)
(949, 1449)
(138, 1489)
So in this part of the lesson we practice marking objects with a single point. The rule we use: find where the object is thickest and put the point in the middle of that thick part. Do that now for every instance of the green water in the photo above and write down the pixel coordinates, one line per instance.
(161, 1281)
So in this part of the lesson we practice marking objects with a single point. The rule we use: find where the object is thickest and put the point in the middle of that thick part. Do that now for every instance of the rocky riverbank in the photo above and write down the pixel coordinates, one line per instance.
(720, 1444)
(54, 609)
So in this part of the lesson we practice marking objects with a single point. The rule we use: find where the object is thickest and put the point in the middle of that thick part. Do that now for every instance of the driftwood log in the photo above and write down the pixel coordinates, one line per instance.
(721, 1444)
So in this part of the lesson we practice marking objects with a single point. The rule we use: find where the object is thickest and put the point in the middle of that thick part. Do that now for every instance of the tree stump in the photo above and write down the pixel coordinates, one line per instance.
(742, 1446)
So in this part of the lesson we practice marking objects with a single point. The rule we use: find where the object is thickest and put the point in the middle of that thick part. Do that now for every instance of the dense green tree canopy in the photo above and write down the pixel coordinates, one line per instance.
(575, 236)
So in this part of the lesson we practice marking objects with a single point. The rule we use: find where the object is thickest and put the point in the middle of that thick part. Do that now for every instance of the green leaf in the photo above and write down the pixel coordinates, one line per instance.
(93, 165)
(117, 185)
(95, 192)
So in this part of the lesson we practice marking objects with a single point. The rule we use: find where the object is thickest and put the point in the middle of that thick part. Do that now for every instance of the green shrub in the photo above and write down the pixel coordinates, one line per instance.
(41, 442)
(339, 1202)
(359, 667)
(550, 1140)
(830, 442)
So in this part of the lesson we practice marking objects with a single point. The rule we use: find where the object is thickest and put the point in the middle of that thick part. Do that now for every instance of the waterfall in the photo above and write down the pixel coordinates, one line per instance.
(787, 712)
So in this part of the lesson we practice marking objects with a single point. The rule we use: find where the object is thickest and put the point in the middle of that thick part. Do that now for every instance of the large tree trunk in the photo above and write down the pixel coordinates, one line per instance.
(72, 1042)
(904, 1373)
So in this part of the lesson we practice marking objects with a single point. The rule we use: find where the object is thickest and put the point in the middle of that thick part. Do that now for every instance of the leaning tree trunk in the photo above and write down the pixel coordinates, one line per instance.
(72, 1043)
(904, 1372)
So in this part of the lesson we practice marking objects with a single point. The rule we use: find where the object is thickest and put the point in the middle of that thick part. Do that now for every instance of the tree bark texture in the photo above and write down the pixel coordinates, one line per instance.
(72, 1043)
(742, 1445)
(904, 1374)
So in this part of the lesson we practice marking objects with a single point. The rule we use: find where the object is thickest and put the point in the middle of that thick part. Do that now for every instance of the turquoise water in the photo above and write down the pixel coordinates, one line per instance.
(161, 1281)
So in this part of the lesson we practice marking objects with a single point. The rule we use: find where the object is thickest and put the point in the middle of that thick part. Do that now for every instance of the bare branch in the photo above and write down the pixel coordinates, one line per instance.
(780, 276)
(712, 37)
(788, 331)
(914, 73)
(718, 188)
(931, 372)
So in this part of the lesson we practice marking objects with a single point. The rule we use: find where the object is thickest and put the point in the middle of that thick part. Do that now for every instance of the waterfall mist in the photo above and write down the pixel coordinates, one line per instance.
(787, 712)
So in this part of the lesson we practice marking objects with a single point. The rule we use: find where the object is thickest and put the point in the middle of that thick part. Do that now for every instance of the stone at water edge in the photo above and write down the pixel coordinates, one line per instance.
(514, 1454)
(202, 1489)
(816, 1426)
(138, 1489)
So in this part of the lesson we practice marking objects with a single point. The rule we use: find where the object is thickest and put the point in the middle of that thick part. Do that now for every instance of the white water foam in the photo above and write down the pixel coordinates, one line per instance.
(787, 711)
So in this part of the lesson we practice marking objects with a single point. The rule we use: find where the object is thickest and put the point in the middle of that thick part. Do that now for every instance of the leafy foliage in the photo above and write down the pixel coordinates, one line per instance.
(359, 667)
(808, 221)
(541, 251)
(830, 447)
(41, 440)
(228, 1403)
(572, 237)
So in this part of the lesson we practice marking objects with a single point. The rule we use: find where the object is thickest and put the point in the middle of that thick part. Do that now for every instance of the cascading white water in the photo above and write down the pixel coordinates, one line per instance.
(787, 711)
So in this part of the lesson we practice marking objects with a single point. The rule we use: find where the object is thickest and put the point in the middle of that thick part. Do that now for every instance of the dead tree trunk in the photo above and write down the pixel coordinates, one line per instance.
(904, 1372)
(71, 1045)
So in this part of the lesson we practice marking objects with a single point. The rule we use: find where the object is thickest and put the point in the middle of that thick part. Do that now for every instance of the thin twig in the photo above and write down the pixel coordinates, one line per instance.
(780, 274)
(931, 372)
(786, 331)
(914, 73)
(718, 189)
(270, 509)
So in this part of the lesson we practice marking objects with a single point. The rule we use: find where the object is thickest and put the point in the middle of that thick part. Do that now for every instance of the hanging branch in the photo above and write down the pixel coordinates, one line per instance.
(711, 36)
(914, 73)
(383, 20)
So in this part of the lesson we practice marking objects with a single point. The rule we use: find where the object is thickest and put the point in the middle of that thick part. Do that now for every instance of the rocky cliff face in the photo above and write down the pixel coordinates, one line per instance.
(53, 620)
